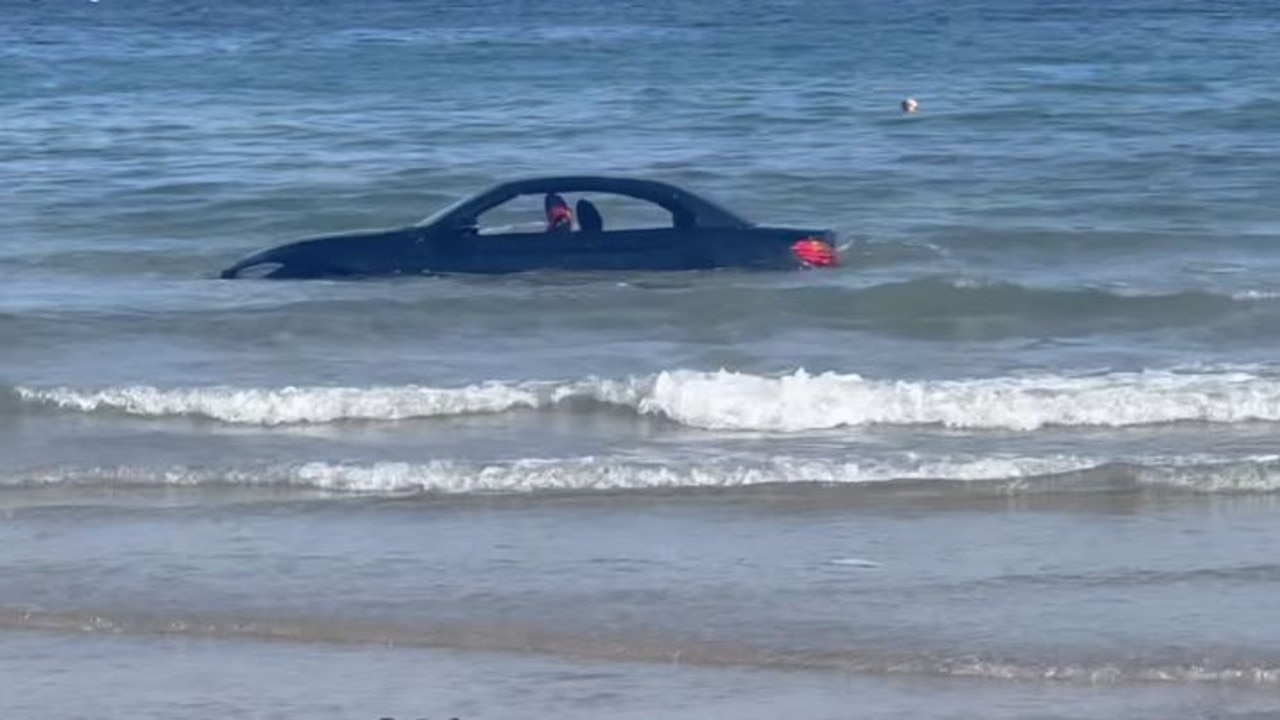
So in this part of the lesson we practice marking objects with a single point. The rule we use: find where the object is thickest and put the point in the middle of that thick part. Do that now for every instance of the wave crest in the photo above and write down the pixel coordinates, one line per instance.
(727, 400)
(294, 405)
(989, 475)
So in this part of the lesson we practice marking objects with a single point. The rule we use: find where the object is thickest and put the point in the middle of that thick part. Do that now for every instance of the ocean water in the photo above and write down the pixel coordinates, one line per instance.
(1016, 458)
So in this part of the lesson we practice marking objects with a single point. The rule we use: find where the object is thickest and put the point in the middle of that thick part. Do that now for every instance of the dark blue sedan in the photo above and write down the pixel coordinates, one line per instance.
(683, 232)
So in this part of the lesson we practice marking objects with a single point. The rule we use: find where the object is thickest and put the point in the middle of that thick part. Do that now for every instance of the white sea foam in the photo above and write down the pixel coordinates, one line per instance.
(1017, 474)
(290, 405)
(801, 401)
(738, 401)
(565, 474)
(1254, 295)
(1257, 473)
(855, 562)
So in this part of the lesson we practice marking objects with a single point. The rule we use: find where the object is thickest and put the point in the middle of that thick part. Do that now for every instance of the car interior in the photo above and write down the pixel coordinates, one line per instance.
(589, 219)
(518, 215)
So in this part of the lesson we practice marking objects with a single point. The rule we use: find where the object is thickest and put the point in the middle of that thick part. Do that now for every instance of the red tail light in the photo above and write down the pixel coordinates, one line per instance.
(815, 252)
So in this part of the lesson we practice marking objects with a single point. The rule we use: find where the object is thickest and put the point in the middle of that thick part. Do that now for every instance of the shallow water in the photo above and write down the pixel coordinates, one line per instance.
(1015, 458)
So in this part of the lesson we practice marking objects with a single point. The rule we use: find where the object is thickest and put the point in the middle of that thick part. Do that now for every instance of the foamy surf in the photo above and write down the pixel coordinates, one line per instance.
(1007, 475)
(727, 400)
(298, 405)
(562, 474)
(855, 563)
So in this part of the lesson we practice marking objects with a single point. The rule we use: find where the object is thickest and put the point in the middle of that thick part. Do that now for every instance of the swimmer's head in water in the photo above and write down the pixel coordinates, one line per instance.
(910, 105)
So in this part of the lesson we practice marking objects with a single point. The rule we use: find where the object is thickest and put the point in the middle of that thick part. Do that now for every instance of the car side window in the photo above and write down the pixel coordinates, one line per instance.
(622, 212)
(589, 213)
(520, 215)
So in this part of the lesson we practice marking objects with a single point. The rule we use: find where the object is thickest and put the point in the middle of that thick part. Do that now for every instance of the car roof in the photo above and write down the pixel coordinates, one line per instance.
(670, 197)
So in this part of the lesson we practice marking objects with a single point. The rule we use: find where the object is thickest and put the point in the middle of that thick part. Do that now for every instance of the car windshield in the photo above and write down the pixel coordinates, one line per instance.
(435, 216)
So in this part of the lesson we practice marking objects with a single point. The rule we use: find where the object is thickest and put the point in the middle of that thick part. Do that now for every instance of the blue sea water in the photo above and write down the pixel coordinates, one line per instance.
(1015, 458)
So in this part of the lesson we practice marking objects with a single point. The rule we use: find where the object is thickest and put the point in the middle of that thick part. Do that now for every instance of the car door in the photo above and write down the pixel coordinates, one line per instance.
(640, 249)
(644, 249)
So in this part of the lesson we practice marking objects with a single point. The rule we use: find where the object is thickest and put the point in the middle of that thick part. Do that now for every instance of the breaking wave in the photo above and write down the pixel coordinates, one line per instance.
(988, 475)
(735, 401)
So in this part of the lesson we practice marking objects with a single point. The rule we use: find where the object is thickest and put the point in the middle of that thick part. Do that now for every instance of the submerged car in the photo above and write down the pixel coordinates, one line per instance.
(684, 232)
